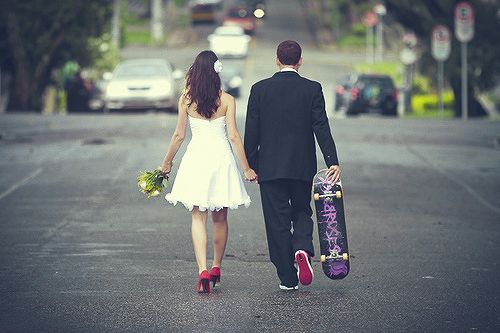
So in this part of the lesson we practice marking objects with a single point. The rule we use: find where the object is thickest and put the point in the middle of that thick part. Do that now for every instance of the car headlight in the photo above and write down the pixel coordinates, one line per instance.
(113, 90)
(259, 13)
(163, 88)
(166, 87)
(235, 82)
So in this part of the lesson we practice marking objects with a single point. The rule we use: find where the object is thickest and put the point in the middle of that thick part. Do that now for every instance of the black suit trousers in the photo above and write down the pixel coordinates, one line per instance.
(286, 204)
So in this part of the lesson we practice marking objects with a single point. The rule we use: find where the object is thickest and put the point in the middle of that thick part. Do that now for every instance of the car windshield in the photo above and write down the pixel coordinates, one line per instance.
(140, 70)
(229, 31)
(376, 81)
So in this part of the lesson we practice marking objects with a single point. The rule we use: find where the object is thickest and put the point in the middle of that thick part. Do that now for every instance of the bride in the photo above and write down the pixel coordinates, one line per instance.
(208, 177)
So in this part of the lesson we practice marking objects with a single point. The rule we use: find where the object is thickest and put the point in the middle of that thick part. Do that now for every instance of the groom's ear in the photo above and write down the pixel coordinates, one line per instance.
(278, 62)
(300, 62)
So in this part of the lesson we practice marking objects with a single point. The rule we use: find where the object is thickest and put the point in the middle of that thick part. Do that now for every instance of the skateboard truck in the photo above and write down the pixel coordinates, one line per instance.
(336, 194)
(335, 256)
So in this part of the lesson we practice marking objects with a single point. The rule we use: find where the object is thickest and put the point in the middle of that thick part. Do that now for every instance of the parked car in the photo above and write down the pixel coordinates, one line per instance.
(229, 41)
(372, 93)
(231, 80)
(204, 10)
(143, 84)
(242, 16)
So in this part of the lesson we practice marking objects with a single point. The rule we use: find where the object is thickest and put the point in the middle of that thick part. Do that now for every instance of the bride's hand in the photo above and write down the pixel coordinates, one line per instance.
(250, 175)
(166, 168)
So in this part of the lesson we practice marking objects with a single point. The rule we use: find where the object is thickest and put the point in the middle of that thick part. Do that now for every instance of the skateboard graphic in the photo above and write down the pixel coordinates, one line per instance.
(328, 200)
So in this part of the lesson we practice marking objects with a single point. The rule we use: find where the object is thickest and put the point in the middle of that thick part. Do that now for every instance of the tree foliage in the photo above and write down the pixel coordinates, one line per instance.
(38, 36)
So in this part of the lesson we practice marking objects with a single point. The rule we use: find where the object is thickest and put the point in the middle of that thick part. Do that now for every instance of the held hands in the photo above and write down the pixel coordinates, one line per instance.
(251, 176)
(333, 174)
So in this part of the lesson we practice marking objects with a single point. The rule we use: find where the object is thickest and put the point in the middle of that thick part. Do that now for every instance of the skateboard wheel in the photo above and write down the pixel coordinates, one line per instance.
(345, 256)
(322, 258)
(338, 194)
(316, 196)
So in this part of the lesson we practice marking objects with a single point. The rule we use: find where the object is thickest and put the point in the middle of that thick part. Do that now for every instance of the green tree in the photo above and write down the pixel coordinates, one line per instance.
(483, 50)
(38, 36)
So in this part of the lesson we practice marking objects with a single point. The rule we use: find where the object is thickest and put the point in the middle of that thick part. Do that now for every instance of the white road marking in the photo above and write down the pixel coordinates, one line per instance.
(21, 183)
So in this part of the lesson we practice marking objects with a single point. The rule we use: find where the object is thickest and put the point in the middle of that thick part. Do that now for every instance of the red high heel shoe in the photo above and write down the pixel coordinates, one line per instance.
(204, 282)
(215, 275)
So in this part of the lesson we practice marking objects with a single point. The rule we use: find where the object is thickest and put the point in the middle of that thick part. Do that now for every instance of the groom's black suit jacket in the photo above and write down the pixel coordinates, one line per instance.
(284, 114)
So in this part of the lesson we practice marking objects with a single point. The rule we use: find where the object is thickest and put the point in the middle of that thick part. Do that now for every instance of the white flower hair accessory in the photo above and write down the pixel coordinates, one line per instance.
(218, 66)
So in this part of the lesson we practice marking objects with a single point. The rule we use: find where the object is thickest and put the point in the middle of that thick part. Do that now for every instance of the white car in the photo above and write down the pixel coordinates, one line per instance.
(229, 41)
(143, 84)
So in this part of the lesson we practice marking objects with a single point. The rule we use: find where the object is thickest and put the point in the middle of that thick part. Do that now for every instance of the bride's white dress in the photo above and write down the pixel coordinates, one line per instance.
(208, 176)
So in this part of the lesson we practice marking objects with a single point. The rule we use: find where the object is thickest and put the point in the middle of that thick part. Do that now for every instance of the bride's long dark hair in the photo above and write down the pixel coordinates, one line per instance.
(203, 84)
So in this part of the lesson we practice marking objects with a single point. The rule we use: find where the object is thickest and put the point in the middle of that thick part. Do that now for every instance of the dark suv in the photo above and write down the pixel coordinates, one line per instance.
(371, 93)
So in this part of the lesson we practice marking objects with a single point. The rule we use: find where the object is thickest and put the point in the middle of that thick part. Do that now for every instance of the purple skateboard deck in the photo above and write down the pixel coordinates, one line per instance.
(328, 200)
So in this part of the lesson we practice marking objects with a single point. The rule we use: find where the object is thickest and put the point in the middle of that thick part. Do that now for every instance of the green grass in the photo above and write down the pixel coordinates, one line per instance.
(138, 37)
(351, 42)
(431, 114)
(426, 106)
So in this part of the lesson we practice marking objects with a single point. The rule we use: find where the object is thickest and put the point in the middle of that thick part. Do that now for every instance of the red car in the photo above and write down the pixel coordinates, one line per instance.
(242, 16)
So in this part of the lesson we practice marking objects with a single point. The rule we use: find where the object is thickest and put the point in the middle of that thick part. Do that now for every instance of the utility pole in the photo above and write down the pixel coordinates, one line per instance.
(115, 29)
(157, 20)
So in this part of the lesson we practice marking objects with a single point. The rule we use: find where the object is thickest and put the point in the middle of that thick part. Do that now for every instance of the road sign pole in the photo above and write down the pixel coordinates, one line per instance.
(380, 41)
(370, 19)
(380, 10)
(464, 81)
(440, 49)
(464, 31)
(440, 87)
(369, 44)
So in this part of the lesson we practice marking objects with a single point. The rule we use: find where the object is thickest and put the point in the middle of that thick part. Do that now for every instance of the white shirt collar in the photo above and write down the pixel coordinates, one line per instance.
(288, 69)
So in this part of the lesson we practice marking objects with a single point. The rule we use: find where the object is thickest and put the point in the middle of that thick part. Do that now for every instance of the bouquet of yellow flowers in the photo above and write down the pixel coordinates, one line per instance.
(152, 182)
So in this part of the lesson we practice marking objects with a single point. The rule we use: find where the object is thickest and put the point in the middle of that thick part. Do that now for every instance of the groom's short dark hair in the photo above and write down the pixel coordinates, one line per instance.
(289, 52)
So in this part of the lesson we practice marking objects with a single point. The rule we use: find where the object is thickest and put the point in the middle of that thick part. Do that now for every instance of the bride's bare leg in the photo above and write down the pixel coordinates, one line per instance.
(199, 234)
(220, 232)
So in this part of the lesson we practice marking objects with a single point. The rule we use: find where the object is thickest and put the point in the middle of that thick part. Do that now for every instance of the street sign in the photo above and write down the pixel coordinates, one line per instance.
(410, 39)
(464, 22)
(370, 19)
(441, 42)
(380, 9)
(408, 56)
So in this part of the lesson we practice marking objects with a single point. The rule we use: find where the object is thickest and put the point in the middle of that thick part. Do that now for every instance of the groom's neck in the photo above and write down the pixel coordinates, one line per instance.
(296, 67)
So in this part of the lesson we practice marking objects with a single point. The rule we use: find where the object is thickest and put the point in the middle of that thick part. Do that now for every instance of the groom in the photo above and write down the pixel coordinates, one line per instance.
(285, 112)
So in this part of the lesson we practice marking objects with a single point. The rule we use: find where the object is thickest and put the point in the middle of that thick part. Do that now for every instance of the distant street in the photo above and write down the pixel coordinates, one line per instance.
(82, 250)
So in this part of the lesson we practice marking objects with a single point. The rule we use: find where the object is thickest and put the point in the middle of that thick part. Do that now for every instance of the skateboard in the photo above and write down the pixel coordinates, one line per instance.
(328, 200)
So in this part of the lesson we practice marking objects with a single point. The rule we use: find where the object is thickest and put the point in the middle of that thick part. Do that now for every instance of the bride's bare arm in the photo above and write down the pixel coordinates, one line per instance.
(177, 137)
(235, 139)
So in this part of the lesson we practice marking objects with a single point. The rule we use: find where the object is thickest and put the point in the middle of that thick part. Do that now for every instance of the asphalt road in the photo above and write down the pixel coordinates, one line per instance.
(81, 250)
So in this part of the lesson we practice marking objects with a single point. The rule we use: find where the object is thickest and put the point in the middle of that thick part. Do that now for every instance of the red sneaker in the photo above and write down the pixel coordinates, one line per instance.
(304, 269)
